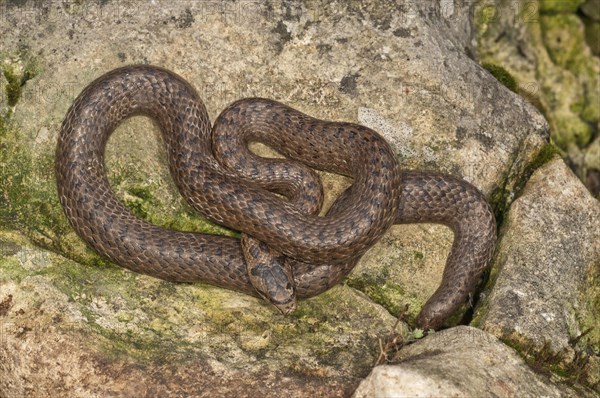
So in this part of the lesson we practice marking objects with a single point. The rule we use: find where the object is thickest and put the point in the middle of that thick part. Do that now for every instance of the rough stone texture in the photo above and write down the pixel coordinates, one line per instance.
(460, 362)
(68, 329)
(547, 272)
(86, 327)
(442, 111)
(459, 17)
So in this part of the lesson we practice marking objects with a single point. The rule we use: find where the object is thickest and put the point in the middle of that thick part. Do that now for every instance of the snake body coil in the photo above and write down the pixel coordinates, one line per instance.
(323, 249)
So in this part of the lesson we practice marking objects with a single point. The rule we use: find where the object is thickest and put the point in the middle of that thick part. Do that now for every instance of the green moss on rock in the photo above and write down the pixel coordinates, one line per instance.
(502, 75)
(140, 194)
(500, 200)
(13, 88)
(565, 42)
(559, 6)
(10, 268)
(570, 128)
(563, 38)
(546, 154)
(591, 297)
(386, 293)
(16, 81)
(29, 190)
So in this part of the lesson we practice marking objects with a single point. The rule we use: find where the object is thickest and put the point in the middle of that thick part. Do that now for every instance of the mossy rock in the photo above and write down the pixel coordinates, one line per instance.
(546, 154)
(563, 38)
(16, 80)
(571, 129)
(502, 75)
(559, 6)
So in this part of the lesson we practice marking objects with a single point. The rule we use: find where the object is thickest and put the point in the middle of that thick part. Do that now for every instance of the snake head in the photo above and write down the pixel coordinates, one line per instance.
(270, 273)
(274, 282)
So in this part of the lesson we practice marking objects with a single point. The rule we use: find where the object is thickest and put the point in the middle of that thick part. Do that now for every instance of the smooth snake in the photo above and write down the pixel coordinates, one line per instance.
(273, 202)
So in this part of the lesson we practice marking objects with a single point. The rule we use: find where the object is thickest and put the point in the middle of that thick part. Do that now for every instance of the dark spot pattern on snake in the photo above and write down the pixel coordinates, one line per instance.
(321, 251)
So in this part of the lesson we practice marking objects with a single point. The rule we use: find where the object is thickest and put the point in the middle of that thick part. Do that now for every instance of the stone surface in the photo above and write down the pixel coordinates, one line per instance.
(546, 289)
(559, 6)
(460, 362)
(77, 330)
(454, 118)
(100, 330)
(542, 44)
(591, 9)
(592, 33)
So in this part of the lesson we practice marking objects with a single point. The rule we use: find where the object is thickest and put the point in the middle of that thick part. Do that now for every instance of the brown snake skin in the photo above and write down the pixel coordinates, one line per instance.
(323, 250)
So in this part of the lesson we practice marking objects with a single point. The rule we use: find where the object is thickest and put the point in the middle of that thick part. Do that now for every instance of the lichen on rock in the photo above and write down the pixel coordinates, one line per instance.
(75, 324)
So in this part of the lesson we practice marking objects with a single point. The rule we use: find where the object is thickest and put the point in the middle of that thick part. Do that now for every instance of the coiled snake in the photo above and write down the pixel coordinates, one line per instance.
(321, 251)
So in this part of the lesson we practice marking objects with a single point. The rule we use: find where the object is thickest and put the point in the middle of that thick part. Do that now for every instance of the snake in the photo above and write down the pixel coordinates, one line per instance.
(228, 184)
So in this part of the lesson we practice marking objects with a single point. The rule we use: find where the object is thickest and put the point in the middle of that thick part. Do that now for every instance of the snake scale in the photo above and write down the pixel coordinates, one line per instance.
(262, 202)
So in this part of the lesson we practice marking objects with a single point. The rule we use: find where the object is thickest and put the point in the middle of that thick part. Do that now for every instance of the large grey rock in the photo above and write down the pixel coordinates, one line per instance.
(546, 290)
(460, 362)
(454, 118)
(100, 330)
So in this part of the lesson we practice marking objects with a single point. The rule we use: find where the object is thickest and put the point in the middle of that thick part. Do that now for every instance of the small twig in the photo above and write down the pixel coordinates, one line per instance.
(394, 341)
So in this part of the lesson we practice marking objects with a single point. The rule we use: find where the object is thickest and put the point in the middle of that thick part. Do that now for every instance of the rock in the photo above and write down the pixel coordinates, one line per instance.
(100, 330)
(592, 160)
(564, 39)
(591, 9)
(79, 330)
(460, 362)
(545, 50)
(592, 33)
(458, 16)
(546, 289)
(559, 6)
(480, 130)
(590, 15)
